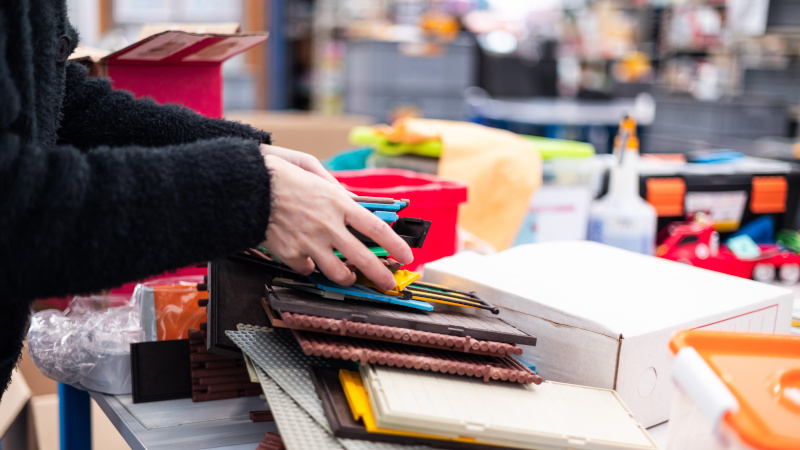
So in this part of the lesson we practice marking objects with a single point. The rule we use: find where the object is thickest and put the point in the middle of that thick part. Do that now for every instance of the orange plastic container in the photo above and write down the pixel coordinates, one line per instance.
(176, 309)
(735, 391)
(432, 198)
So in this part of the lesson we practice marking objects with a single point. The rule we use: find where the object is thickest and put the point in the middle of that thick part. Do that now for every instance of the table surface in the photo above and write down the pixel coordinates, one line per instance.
(220, 424)
(182, 424)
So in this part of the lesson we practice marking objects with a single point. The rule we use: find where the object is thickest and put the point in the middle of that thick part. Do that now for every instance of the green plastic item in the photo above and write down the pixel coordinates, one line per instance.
(560, 148)
(789, 239)
(547, 147)
(367, 136)
(377, 251)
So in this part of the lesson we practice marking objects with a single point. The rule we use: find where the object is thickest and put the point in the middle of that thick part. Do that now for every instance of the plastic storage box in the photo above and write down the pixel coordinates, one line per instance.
(734, 193)
(735, 391)
(432, 198)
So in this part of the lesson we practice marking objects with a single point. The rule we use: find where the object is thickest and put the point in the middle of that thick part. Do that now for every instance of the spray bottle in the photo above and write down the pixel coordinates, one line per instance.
(621, 218)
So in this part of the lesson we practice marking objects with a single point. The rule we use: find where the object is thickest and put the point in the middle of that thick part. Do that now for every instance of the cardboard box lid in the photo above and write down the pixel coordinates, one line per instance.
(600, 288)
(225, 28)
(177, 43)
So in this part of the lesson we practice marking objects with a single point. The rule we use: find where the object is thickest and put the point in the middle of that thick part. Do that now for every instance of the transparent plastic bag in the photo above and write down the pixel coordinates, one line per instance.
(88, 344)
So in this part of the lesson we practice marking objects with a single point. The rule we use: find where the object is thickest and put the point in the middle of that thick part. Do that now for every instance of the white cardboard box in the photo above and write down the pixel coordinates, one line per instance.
(603, 316)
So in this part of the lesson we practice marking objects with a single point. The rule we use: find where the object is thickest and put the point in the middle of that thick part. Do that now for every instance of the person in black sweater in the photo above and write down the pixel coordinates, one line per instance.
(97, 188)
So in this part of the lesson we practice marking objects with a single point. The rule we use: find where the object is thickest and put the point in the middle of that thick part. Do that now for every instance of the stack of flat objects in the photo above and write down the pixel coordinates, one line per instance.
(317, 405)
(550, 415)
(216, 377)
(436, 341)
(284, 373)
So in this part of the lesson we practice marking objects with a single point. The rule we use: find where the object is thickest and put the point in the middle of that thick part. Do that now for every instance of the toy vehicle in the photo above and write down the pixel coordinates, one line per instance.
(696, 243)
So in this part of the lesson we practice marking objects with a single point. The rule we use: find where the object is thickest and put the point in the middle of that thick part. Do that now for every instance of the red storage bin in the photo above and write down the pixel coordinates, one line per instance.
(432, 198)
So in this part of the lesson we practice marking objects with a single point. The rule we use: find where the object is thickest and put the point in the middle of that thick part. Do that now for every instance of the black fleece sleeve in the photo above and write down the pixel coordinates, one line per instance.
(95, 114)
(77, 221)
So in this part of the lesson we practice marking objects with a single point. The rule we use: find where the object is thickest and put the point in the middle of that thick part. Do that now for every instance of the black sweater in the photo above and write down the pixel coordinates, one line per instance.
(97, 188)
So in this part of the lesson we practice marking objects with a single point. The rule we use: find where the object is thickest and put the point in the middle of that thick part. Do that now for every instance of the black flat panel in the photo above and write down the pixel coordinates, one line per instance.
(235, 286)
(160, 370)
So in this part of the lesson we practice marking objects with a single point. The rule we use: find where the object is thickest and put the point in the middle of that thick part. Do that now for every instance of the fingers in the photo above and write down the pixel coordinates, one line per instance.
(302, 160)
(358, 255)
(334, 268)
(314, 166)
(381, 233)
(301, 264)
(308, 220)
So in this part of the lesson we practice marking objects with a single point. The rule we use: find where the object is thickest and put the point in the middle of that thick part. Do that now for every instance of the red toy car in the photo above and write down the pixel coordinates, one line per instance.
(696, 243)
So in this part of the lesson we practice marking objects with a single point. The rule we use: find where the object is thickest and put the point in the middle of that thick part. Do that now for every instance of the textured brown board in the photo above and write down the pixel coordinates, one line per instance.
(417, 358)
(453, 323)
(343, 327)
(271, 441)
(340, 418)
(209, 380)
(262, 416)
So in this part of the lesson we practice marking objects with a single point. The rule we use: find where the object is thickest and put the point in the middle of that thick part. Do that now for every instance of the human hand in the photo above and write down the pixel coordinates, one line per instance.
(308, 221)
(302, 160)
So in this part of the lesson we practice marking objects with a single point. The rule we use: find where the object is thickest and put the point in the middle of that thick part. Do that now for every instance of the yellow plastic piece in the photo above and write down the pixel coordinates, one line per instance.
(402, 279)
(358, 400)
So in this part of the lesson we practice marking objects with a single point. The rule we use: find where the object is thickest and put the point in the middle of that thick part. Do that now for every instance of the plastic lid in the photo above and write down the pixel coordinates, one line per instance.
(763, 374)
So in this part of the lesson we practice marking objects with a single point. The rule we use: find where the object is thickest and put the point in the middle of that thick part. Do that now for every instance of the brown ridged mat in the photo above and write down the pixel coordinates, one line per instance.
(365, 351)
(271, 441)
(216, 377)
(398, 335)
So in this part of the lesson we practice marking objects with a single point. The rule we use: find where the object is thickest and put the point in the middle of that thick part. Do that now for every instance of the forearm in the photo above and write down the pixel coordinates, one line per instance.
(78, 222)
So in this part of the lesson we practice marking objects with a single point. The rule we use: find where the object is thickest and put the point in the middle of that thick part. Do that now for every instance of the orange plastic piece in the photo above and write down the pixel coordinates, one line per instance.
(768, 195)
(666, 195)
(177, 310)
(763, 374)
(628, 124)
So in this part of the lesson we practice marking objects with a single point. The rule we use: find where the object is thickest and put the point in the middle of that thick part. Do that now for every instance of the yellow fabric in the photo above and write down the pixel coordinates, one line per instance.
(501, 169)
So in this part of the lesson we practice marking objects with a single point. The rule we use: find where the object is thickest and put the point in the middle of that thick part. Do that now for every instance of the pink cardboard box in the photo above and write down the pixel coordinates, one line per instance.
(170, 65)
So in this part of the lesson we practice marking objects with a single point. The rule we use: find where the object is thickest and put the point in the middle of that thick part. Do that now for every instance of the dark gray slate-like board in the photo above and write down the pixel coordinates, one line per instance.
(445, 322)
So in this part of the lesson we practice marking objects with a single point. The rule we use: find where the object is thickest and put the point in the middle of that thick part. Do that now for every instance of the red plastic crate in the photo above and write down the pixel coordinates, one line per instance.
(432, 198)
